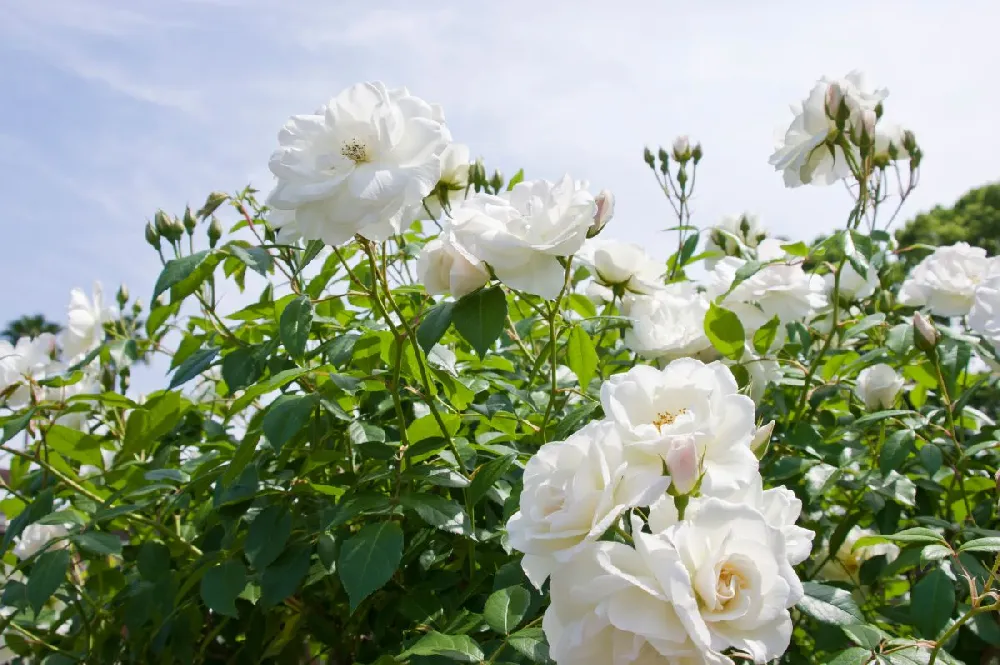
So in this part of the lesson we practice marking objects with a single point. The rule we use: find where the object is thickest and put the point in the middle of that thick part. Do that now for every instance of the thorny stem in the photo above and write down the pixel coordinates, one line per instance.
(553, 311)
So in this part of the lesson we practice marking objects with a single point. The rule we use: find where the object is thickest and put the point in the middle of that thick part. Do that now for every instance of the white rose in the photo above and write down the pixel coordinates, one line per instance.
(574, 490)
(801, 154)
(598, 293)
(85, 325)
(732, 235)
(945, 282)
(22, 364)
(521, 235)
(35, 537)
(682, 148)
(877, 386)
(887, 134)
(852, 285)
(618, 604)
(845, 565)
(739, 566)
(779, 506)
(284, 222)
(688, 401)
(762, 371)
(362, 164)
(984, 317)
(669, 323)
(444, 267)
(784, 290)
(455, 161)
(620, 264)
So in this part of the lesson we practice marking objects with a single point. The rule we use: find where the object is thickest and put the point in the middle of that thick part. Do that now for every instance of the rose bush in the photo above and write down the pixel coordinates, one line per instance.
(461, 422)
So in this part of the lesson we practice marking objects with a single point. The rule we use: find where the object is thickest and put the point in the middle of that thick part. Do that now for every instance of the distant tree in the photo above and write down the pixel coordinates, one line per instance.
(975, 219)
(30, 326)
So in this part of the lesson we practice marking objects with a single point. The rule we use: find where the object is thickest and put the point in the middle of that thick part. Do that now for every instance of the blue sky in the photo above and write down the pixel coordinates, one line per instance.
(111, 109)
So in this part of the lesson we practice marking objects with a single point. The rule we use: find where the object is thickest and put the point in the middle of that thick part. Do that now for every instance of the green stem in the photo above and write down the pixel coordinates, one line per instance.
(553, 364)
(955, 626)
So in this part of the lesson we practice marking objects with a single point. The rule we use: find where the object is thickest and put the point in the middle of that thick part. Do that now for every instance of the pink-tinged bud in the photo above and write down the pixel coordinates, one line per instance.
(605, 211)
(761, 438)
(682, 465)
(682, 149)
(925, 336)
(834, 98)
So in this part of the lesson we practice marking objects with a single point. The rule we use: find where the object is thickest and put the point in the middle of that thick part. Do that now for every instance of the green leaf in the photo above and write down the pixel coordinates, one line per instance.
(796, 249)
(153, 560)
(915, 535)
(74, 444)
(177, 270)
(268, 534)
(427, 426)
(764, 338)
(581, 357)
(296, 322)
(285, 417)
(895, 450)
(257, 259)
(853, 656)
(864, 635)
(368, 559)
(461, 648)
(932, 602)
(867, 323)
(990, 544)
(486, 475)
(479, 318)
(16, 424)
(439, 512)
(276, 381)
(506, 608)
(146, 425)
(931, 458)
(222, 585)
(434, 325)
(282, 578)
(518, 177)
(362, 433)
(47, 575)
(829, 605)
(725, 331)
(98, 542)
(531, 644)
(240, 368)
(36, 510)
(194, 365)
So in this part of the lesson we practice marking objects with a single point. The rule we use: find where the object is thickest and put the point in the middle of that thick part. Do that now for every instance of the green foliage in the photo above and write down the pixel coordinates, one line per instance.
(974, 218)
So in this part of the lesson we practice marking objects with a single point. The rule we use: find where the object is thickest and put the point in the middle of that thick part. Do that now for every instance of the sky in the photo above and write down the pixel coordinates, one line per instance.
(110, 109)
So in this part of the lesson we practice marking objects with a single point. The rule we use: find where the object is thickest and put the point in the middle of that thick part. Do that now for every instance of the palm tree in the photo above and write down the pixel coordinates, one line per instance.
(30, 326)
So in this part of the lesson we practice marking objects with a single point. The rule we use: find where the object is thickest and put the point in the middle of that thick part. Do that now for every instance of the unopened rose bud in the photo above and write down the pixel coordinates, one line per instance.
(164, 225)
(696, 153)
(761, 438)
(212, 203)
(496, 182)
(152, 236)
(137, 306)
(605, 210)
(647, 156)
(122, 295)
(189, 221)
(879, 110)
(909, 141)
(925, 336)
(682, 149)
(682, 465)
(864, 131)
(834, 98)
(878, 386)
(214, 232)
(177, 228)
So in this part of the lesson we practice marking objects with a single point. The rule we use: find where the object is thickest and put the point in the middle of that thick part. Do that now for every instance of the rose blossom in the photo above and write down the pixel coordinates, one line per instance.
(878, 386)
(444, 267)
(669, 323)
(945, 282)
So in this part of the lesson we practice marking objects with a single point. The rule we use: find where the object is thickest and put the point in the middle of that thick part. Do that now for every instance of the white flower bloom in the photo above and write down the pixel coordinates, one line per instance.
(455, 161)
(86, 318)
(688, 401)
(887, 134)
(945, 282)
(878, 386)
(573, 492)
(598, 293)
(846, 563)
(521, 234)
(445, 267)
(669, 323)
(762, 370)
(852, 285)
(801, 154)
(35, 537)
(784, 290)
(732, 235)
(620, 264)
(28, 361)
(984, 317)
(284, 222)
(739, 566)
(623, 605)
(779, 506)
(362, 164)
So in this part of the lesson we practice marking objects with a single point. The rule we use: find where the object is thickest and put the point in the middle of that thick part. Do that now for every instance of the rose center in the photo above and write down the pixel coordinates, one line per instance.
(730, 582)
(667, 418)
(355, 150)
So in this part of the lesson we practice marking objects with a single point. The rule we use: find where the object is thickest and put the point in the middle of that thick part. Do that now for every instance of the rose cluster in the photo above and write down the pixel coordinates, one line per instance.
(653, 526)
